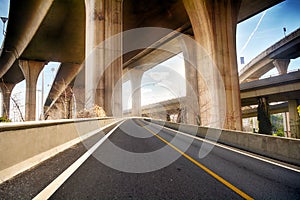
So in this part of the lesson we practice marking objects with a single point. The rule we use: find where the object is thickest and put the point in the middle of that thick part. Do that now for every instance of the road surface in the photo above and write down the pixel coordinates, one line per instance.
(140, 160)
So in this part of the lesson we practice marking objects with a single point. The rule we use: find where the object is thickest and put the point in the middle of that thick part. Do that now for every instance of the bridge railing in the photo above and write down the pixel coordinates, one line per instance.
(282, 149)
(24, 145)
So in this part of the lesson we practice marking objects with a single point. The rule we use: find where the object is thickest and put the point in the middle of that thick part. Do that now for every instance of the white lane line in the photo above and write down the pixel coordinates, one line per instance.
(54, 185)
(232, 149)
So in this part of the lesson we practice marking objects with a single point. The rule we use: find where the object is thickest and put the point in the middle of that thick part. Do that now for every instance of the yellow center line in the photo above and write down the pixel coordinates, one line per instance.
(229, 185)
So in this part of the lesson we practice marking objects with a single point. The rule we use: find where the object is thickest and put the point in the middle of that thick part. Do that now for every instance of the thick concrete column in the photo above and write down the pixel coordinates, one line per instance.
(285, 125)
(263, 116)
(294, 119)
(31, 71)
(103, 78)
(281, 65)
(113, 49)
(94, 63)
(191, 103)
(136, 76)
(214, 25)
(6, 89)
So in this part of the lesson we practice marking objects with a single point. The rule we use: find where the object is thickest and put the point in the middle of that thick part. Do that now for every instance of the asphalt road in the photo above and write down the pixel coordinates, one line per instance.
(181, 178)
(140, 160)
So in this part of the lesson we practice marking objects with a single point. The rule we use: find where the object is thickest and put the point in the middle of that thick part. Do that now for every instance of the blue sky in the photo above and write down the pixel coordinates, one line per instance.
(4, 4)
(253, 36)
(269, 30)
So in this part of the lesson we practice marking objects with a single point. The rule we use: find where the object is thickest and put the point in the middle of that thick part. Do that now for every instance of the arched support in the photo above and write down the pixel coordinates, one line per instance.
(214, 25)
(281, 65)
(103, 20)
(31, 71)
(192, 107)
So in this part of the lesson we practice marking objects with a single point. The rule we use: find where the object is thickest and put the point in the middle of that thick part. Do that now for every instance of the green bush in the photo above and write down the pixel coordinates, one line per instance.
(280, 133)
(4, 119)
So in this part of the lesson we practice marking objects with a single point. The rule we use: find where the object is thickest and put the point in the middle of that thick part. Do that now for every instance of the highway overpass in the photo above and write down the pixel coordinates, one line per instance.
(36, 38)
(282, 88)
(278, 55)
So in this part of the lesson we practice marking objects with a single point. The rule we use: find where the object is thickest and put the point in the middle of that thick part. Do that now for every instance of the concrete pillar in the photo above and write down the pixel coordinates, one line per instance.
(214, 25)
(94, 63)
(281, 65)
(6, 89)
(263, 116)
(104, 20)
(294, 119)
(285, 125)
(191, 103)
(113, 74)
(31, 70)
(136, 76)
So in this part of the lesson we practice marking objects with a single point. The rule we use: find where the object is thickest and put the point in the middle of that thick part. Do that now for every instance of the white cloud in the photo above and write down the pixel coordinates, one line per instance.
(146, 90)
(158, 76)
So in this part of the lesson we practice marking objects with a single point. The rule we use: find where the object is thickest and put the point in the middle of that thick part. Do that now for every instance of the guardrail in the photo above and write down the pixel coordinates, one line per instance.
(282, 149)
(24, 145)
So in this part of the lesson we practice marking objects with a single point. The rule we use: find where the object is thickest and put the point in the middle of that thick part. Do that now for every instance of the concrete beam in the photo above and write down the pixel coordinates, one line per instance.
(154, 54)
(26, 31)
(66, 74)
(279, 88)
(286, 48)
(274, 109)
(250, 8)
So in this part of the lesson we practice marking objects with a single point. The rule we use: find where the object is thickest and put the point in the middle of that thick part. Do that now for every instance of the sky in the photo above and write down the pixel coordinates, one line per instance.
(158, 83)
(253, 36)
(263, 30)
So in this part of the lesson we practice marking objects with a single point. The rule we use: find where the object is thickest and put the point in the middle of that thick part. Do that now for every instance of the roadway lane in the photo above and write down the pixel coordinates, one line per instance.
(28, 184)
(182, 179)
(257, 178)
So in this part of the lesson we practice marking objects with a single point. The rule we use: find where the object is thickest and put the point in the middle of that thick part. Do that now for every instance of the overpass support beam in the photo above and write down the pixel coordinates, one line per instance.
(281, 65)
(294, 119)
(28, 29)
(6, 89)
(214, 25)
(104, 79)
(31, 71)
(136, 76)
(263, 116)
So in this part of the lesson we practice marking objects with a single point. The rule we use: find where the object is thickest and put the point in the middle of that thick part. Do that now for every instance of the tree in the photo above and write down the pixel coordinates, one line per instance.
(263, 117)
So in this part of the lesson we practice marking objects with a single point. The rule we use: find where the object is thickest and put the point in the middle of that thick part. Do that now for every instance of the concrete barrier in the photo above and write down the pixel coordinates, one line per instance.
(25, 145)
(282, 149)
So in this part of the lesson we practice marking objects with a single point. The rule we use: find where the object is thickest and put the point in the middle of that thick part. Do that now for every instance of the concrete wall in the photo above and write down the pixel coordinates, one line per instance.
(24, 145)
(283, 149)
